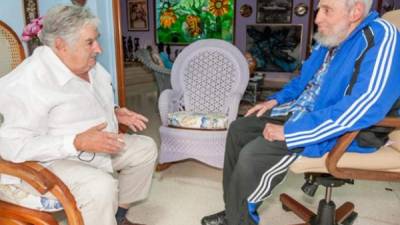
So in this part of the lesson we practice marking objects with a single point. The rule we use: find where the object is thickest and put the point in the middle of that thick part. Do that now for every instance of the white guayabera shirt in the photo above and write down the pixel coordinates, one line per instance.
(45, 106)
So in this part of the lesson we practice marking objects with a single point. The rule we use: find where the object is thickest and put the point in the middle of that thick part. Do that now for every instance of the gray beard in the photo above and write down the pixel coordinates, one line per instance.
(327, 41)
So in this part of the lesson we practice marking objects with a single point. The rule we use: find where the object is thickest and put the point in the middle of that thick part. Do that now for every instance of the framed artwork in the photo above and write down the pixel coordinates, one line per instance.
(31, 12)
(181, 22)
(138, 15)
(275, 47)
(274, 11)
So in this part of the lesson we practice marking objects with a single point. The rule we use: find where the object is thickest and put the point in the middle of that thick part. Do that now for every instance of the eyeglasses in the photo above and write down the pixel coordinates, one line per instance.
(86, 156)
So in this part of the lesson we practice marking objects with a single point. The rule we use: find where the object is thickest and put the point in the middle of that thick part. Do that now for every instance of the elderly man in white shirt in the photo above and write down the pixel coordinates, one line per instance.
(58, 108)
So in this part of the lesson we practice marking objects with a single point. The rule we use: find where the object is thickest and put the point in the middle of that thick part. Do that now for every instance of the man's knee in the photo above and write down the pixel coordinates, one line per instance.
(141, 148)
(151, 149)
(237, 125)
(245, 124)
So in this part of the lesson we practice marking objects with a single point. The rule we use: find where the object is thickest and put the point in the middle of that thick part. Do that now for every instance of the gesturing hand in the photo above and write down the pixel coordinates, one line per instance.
(97, 140)
(261, 108)
(273, 132)
(134, 121)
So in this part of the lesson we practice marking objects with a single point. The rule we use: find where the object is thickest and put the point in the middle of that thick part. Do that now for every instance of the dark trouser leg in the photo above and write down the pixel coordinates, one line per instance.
(241, 132)
(253, 166)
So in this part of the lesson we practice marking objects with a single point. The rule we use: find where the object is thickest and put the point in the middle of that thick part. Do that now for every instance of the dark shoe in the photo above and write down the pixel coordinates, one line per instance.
(214, 219)
(125, 221)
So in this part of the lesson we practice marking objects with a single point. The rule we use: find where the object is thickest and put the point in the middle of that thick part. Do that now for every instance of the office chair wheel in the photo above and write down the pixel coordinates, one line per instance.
(350, 220)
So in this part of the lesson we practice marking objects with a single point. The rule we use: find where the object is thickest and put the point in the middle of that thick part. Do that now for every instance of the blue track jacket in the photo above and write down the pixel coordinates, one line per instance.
(373, 94)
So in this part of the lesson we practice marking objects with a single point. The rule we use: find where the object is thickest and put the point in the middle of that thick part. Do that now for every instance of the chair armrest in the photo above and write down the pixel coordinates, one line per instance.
(62, 193)
(351, 173)
(43, 180)
(233, 106)
(27, 174)
(165, 105)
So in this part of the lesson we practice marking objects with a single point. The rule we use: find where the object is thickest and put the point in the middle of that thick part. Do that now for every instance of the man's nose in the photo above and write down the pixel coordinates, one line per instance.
(318, 18)
(97, 47)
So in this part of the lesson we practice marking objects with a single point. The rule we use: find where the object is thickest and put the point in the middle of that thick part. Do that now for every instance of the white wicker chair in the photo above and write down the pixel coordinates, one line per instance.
(208, 76)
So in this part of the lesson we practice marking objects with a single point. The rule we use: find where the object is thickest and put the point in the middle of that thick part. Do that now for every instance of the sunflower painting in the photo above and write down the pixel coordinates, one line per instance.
(185, 21)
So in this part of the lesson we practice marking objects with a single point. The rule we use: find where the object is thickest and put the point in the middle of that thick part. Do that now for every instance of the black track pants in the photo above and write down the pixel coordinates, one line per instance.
(253, 166)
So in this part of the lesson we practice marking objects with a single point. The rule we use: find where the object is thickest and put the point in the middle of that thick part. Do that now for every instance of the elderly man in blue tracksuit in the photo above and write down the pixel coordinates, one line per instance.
(308, 115)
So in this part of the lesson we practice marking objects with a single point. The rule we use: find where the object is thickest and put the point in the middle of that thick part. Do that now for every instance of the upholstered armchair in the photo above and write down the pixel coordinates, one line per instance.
(208, 80)
(339, 167)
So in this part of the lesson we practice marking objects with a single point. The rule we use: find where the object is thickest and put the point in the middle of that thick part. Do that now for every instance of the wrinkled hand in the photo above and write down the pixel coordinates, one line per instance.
(273, 132)
(134, 121)
(261, 108)
(97, 140)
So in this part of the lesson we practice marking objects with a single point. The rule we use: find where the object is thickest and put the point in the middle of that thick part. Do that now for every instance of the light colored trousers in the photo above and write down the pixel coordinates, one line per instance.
(99, 193)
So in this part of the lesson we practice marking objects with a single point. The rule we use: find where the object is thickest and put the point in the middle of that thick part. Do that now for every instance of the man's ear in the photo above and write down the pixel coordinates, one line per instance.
(60, 45)
(357, 13)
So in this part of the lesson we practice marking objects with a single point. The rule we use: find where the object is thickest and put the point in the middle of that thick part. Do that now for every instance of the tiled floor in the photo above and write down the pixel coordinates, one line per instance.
(184, 193)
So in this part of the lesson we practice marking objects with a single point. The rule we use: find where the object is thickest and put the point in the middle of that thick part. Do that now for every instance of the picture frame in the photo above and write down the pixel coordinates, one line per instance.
(31, 11)
(181, 22)
(137, 15)
(275, 47)
(274, 11)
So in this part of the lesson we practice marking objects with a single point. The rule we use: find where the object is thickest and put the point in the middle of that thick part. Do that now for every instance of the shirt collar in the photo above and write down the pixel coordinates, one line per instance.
(54, 64)
(371, 17)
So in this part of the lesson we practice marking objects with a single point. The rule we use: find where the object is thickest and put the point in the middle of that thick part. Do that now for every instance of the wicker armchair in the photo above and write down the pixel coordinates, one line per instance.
(12, 52)
(161, 74)
(208, 76)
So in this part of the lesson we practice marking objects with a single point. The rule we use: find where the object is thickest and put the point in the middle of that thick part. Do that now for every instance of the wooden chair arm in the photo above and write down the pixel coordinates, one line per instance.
(32, 177)
(350, 173)
(393, 122)
(43, 180)
(62, 193)
(11, 214)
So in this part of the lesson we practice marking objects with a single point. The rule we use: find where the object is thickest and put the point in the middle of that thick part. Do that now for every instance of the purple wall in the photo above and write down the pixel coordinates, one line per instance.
(147, 37)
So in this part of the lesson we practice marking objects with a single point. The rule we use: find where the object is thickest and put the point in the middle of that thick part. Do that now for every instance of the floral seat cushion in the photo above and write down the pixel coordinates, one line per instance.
(194, 120)
(14, 194)
(11, 192)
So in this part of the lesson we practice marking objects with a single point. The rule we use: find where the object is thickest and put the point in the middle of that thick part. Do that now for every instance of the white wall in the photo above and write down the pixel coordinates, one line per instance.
(11, 12)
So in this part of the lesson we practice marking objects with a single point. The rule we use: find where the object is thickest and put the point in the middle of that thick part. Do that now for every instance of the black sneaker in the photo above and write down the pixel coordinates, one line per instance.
(214, 219)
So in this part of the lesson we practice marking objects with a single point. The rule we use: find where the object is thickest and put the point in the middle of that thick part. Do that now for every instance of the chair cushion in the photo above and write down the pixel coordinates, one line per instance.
(193, 120)
(394, 140)
(393, 17)
(14, 194)
(385, 159)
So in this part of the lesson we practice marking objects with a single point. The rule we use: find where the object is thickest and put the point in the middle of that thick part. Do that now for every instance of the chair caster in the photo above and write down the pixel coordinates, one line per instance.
(350, 219)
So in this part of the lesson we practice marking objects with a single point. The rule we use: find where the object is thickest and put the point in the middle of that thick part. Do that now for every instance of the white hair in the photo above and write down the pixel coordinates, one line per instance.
(367, 4)
(65, 21)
